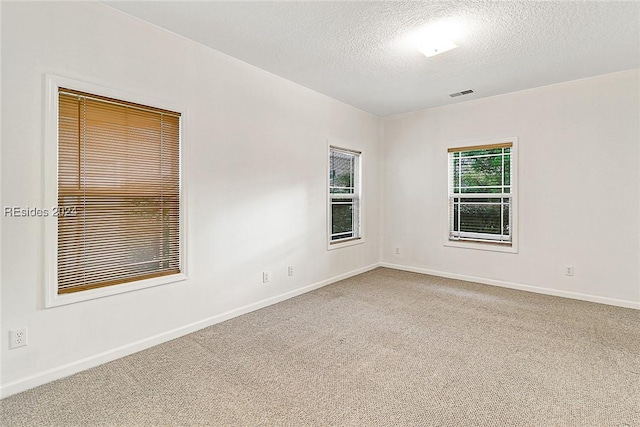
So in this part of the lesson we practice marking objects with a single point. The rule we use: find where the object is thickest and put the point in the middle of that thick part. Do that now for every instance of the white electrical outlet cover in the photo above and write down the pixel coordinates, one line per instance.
(18, 338)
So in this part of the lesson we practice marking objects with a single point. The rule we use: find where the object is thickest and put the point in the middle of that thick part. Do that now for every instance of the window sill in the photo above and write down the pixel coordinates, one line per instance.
(350, 242)
(57, 300)
(493, 247)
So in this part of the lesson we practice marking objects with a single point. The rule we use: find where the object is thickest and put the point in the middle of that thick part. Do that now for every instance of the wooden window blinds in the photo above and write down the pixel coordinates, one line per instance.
(118, 192)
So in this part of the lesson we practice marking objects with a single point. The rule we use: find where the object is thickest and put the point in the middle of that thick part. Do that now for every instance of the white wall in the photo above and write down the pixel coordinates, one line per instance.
(578, 188)
(256, 168)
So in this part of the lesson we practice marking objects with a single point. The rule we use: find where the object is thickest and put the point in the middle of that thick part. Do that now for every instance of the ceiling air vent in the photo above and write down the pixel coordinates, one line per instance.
(464, 92)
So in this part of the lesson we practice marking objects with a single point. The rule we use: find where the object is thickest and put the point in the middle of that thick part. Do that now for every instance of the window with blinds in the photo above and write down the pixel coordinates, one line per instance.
(118, 192)
(481, 193)
(344, 195)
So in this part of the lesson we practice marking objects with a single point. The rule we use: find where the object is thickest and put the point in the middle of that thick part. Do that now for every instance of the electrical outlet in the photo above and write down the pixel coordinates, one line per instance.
(17, 338)
(290, 270)
(568, 270)
(396, 250)
(265, 276)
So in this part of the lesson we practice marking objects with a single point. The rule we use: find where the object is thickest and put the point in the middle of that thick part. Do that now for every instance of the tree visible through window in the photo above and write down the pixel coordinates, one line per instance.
(481, 193)
(344, 194)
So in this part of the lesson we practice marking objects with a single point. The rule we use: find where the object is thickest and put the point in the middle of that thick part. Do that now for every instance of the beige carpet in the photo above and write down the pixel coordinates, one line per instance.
(386, 348)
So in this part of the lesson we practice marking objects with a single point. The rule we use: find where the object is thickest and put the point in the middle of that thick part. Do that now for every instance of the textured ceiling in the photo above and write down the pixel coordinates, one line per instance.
(357, 52)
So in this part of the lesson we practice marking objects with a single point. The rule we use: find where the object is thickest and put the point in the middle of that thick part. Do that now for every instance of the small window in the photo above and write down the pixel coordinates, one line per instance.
(118, 192)
(481, 194)
(344, 196)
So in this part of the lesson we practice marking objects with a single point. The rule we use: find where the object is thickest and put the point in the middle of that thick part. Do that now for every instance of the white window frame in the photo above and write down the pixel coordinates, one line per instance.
(52, 298)
(356, 195)
(513, 226)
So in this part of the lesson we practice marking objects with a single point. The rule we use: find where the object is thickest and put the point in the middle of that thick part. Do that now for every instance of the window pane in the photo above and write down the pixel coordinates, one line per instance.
(341, 172)
(480, 200)
(505, 218)
(482, 172)
(481, 152)
(455, 169)
(507, 169)
(480, 218)
(342, 217)
(456, 225)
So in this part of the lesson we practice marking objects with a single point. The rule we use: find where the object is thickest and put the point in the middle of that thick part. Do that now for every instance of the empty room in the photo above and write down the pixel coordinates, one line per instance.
(323, 213)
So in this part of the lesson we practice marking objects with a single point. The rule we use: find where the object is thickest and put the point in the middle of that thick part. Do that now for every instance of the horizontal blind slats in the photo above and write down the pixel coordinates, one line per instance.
(133, 278)
(119, 184)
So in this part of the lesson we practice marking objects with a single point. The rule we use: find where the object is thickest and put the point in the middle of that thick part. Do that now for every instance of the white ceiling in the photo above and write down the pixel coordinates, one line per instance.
(357, 52)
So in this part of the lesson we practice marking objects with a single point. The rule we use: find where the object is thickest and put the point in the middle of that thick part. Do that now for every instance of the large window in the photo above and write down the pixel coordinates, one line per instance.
(118, 192)
(344, 195)
(481, 194)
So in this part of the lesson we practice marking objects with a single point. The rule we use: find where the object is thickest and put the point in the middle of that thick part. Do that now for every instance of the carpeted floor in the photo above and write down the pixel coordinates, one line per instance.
(386, 348)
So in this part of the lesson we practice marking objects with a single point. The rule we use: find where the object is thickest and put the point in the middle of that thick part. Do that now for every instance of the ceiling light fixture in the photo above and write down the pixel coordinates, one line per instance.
(436, 38)
(435, 46)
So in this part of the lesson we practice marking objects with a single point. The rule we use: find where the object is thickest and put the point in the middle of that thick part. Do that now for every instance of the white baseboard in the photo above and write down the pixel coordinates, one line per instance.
(510, 285)
(125, 350)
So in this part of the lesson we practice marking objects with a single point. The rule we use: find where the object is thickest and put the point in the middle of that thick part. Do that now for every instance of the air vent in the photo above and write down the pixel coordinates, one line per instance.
(464, 92)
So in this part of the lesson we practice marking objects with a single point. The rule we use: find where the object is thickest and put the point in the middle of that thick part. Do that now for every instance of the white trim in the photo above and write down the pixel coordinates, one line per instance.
(485, 246)
(513, 247)
(50, 187)
(125, 350)
(343, 244)
(518, 286)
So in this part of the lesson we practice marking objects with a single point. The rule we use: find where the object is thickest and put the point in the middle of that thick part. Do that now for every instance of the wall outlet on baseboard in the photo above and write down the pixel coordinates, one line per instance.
(265, 276)
(17, 338)
(568, 270)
